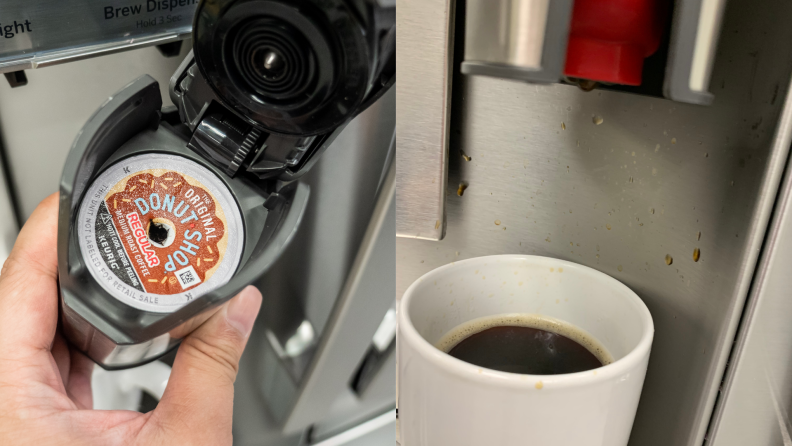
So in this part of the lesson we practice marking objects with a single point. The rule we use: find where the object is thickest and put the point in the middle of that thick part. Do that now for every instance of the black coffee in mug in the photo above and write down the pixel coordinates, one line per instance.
(525, 343)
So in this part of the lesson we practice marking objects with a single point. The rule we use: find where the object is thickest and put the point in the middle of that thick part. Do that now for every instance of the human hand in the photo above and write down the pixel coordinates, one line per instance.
(45, 384)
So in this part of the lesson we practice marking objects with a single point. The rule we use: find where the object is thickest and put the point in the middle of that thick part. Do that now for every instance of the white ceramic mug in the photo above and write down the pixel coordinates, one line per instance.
(446, 401)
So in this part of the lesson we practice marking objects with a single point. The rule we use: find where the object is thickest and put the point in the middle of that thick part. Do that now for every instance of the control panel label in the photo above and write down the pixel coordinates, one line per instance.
(36, 29)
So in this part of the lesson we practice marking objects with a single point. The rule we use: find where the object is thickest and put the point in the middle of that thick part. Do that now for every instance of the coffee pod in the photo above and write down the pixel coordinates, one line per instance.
(156, 238)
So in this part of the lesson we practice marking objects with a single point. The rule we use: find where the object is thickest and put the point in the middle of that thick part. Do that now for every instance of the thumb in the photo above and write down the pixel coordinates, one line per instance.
(198, 401)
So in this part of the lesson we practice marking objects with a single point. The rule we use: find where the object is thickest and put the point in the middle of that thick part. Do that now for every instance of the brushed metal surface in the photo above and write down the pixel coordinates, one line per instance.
(55, 32)
(756, 399)
(694, 40)
(312, 273)
(423, 96)
(517, 39)
(38, 122)
(367, 295)
(622, 195)
(507, 32)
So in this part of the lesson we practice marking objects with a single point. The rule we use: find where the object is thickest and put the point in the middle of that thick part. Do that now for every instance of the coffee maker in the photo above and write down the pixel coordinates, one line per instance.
(313, 303)
(677, 187)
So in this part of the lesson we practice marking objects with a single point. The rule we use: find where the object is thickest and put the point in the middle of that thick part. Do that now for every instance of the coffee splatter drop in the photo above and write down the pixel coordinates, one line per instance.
(461, 189)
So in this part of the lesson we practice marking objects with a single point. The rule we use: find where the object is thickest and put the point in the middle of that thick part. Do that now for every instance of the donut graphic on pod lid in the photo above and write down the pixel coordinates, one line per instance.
(157, 231)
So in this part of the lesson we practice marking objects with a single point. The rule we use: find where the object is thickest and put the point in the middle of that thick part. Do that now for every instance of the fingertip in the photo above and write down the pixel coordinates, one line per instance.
(243, 309)
(207, 362)
(48, 206)
(28, 281)
(51, 199)
(35, 246)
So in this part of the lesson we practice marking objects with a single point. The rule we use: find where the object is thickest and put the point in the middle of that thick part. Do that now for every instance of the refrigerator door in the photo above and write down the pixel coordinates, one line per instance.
(632, 186)
(756, 395)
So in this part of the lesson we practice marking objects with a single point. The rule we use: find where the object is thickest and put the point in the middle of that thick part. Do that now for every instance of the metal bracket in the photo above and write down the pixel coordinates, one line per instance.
(518, 39)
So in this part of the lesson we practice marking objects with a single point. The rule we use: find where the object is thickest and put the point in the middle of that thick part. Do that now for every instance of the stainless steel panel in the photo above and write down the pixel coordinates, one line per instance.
(39, 122)
(45, 32)
(376, 431)
(364, 406)
(367, 295)
(618, 182)
(312, 273)
(423, 94)
(506, 32)
(694, 41)
(517, 39)
(756, 399)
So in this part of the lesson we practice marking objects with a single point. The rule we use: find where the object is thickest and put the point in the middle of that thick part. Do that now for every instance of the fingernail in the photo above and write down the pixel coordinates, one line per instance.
(242, 310)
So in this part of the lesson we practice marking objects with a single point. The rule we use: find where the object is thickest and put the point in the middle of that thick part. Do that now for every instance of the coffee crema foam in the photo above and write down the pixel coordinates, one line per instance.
(538, 321)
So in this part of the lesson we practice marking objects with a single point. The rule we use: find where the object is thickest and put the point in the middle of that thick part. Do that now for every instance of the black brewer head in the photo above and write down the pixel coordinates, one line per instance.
(275, 60)
(298, 67)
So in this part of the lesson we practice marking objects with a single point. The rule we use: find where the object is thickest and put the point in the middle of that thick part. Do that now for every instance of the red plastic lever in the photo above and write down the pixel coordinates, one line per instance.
(609, 39)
